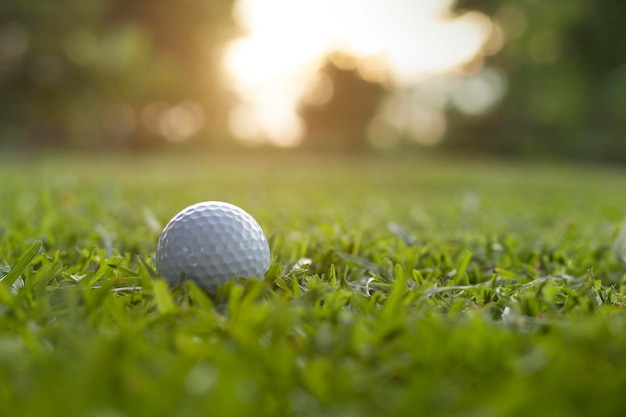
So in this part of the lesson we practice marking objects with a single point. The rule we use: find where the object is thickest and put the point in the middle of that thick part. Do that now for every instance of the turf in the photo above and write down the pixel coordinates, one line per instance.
(398, 287)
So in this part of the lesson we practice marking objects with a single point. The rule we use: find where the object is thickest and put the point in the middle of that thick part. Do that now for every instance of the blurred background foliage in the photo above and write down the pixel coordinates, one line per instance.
(565, 62)
(98, 74)
(78, 73)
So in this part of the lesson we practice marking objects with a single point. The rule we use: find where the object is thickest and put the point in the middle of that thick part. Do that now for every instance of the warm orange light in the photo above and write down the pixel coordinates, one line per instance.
(400, 42)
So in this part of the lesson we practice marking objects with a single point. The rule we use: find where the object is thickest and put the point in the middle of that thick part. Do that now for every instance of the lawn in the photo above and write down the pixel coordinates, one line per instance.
(399, 286)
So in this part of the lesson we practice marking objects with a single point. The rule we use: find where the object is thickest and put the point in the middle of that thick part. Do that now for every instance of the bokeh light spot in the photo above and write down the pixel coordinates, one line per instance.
(475, 95)
(427, 126)
(396, 42)
(496, 40)
(175, 123)
(181, 122)
(405, 112)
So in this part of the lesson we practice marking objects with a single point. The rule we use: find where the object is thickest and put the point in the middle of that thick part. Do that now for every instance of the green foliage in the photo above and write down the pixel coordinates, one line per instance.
(565, 64)
(64, 65)
(397, 287)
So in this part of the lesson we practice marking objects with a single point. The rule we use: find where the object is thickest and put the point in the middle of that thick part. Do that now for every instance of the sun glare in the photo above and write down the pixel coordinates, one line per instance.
(401, 42)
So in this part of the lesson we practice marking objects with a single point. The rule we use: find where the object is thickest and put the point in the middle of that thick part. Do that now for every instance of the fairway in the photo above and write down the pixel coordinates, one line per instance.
(398, 286)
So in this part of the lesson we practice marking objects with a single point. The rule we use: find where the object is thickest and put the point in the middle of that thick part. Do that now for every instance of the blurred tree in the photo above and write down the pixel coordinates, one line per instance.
(338, 110)
(566, 64)
(189, 35)
(82, 72)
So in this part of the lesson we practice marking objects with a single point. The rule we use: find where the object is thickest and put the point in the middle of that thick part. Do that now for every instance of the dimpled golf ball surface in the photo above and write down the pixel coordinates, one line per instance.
(212, 242)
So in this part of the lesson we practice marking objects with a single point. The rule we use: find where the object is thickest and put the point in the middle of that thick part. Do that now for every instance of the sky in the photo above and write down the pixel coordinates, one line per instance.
(430, 56)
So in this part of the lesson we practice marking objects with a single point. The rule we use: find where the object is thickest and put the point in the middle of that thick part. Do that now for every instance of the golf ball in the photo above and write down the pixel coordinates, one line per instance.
(210, 243)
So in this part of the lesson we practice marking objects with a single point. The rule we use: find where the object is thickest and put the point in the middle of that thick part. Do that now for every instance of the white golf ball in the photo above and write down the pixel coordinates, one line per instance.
(210, 243)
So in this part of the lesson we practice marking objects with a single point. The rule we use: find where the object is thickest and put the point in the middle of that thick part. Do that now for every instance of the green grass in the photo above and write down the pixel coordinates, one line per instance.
(435, 288)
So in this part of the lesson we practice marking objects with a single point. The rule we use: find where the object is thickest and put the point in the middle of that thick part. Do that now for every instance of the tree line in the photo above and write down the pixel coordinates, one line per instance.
(91, 73)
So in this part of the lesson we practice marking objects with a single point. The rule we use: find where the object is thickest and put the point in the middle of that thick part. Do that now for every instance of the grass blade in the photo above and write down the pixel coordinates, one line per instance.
(18, 269)
(163, 297)
(461, 276)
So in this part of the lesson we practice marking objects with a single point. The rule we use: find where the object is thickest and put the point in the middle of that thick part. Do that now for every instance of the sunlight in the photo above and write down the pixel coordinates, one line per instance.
(399, 42)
